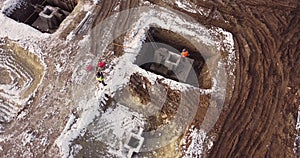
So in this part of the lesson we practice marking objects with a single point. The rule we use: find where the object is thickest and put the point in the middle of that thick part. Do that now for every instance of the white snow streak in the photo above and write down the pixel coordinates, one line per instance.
(297, 139)
(18, 31)
(298, 119)
(185, 5)
(197, 146)
(11, 5)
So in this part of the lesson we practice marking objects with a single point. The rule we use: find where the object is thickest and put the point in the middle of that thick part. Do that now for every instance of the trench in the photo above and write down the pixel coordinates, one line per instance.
(28, 12)
(157, 38)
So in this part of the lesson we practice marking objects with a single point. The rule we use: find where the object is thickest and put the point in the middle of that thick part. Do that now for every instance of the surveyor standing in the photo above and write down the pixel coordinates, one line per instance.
(100, 77)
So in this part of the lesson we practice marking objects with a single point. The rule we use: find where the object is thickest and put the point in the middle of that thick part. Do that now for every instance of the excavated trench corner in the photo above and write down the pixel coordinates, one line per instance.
(160, 54)
(46, 15)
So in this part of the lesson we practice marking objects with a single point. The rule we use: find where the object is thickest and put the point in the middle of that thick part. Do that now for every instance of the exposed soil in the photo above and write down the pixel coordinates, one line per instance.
(266, 35)
(104, 10)
(5, 79)
(29, 62)
(256, 121)
(267, 41)
(259, 119)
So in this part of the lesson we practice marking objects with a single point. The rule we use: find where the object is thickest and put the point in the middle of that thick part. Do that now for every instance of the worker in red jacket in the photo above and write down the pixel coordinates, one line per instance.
(101, 65)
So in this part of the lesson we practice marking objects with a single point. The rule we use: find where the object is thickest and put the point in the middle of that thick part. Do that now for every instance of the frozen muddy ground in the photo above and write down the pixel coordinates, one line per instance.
(71, 115)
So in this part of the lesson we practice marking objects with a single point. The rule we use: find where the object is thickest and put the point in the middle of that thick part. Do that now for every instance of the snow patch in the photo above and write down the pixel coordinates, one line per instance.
(21, 115)
(18, 31)
(58, 67)
(197, 144)
(28, 138)
(44, 141)
(185, 6)
(119, 77)
(296, 148)
(9, 6)
(298, 119)
(75, 149)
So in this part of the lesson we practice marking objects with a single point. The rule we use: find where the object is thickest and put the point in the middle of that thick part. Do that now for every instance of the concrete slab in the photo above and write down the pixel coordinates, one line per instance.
(184, 68)
(181, 66)
(134, 143)
(50, 18)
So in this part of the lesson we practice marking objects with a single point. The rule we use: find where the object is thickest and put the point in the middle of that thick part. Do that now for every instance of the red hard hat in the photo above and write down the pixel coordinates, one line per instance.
(101, 64)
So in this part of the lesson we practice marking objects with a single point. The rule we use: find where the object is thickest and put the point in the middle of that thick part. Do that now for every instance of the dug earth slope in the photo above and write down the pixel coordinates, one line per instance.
(260, 118)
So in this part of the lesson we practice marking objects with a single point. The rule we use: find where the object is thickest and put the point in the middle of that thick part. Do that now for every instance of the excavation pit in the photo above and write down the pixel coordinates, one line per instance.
(45, 16)
(133, 142)
(47, 11)
(173, 58)
(161, 54)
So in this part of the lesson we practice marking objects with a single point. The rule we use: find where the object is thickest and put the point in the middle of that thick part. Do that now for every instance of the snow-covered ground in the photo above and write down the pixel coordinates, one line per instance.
(119, 76)
(11, 28)
(14, 93)
(11, 5)
(198, 143)
(113, 125)
(27, 38)
(185, 5)
(298, 119)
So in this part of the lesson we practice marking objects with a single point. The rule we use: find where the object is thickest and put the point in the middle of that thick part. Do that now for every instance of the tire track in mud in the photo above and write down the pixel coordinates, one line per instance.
(103, 10)
(124, 5)
(249, 125)
(267, 38)
(267, 41)
(266, 35)
(106, 9)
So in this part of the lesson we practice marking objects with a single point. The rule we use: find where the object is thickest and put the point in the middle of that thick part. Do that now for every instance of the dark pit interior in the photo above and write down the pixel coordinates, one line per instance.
(48, 11)
(133, 142)
(161, 38)
(28, 13)
(173, 59)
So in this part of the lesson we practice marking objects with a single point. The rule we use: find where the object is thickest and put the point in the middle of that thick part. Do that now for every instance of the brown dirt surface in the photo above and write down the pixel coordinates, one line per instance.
(105, 9)
(267, 34)
(141, 91)
(29, 62)
(259, 120)
(5, 79)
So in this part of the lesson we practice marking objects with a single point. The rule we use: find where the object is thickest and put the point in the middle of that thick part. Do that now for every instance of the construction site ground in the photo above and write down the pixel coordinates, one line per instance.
(258, 119)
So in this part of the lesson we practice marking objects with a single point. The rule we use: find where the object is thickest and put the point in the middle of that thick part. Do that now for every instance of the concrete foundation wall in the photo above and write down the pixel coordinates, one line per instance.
(68, 5)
